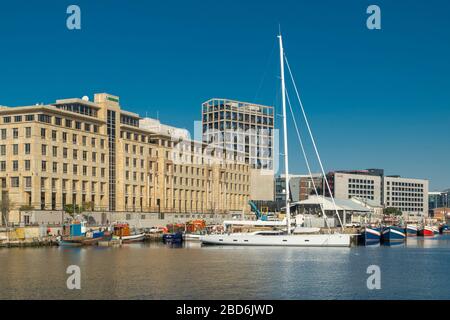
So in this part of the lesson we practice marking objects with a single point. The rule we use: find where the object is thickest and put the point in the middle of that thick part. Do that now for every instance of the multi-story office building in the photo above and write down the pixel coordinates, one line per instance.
(280, 188)
(300, 187)
(439, 199)
(240, 126)
(95, 154)
(360, 184)
(307, 184)
(244, 127)
(408, 195)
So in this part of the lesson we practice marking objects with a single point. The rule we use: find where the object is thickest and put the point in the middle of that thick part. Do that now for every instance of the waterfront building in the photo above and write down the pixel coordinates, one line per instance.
(248, 128)
(99, 156)
(407, 194)
(362, 184)
(301, 186)
(438, 199)
(441, 214)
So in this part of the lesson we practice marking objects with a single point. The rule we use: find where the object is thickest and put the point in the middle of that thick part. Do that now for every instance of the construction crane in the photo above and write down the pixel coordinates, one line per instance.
(259, 215)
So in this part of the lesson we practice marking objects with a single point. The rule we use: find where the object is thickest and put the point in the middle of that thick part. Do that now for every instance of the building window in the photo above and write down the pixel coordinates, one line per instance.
(3, 150)
(2, 165)
(44, 165)
(15, 133)
(27, 165)
(6, 119)
(45, 118)
(15, 165)
(28, 132)
(15, 149)
(27, 182)
(15, 182)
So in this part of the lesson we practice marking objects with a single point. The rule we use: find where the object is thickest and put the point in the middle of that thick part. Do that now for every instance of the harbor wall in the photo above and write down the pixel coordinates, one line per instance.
(55, 219)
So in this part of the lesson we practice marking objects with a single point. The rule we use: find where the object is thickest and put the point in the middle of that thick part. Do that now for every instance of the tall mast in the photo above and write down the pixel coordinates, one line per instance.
(286, 158)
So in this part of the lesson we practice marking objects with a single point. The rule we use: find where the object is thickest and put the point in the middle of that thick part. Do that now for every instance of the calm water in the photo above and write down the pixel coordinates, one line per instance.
(418, 270)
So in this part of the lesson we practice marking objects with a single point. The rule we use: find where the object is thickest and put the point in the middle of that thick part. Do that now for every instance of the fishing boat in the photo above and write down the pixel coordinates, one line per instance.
(95, 237)
(370, 235)
(426, 231)
(411, 230)
(74, 233)
(75, 241)
(122, 232)
(287, 238)
(444, 229)
(176, 237)
(393, 234)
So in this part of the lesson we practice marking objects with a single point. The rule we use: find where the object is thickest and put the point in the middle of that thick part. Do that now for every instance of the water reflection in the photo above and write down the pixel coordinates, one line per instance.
(190, 271)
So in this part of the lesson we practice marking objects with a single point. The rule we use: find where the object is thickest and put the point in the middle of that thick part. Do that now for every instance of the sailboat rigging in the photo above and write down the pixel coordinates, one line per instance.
(278, 238)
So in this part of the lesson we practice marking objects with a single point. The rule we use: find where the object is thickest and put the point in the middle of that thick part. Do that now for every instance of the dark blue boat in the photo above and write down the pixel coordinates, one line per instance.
(444, 229)
(411, 230)
(176, 237)
(393, 234)
(370, 236)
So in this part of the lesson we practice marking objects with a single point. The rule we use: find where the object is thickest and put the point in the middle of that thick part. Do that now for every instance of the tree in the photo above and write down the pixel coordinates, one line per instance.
(89, 206)
(73, 209)
(392, 211)
(5, 206)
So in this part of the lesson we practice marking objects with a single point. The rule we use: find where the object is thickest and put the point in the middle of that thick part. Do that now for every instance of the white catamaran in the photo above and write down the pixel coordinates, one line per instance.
(280, 238)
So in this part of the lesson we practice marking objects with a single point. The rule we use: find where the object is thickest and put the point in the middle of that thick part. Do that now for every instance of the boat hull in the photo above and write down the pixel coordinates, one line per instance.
(411, 231)
(313, 240)
(370, 236)
(133, 238)
(393, 234)
(172, 238)
(426, 232)
(444, 229)
(192, 237)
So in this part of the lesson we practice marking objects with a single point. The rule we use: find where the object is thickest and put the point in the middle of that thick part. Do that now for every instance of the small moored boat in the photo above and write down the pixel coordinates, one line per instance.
(411, 230)
(393, 234)
(370, 235)
(122, 232)
(176, 237)
(444, 229)
(426, 231)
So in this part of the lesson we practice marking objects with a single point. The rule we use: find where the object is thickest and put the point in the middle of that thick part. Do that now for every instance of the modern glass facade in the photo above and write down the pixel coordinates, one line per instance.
(242, 127)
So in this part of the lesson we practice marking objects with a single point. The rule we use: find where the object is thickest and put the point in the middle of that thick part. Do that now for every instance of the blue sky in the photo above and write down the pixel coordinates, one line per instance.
(375, 98)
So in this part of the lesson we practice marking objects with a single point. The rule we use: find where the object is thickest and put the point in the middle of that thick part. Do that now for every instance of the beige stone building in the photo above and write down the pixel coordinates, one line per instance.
(95, 154)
